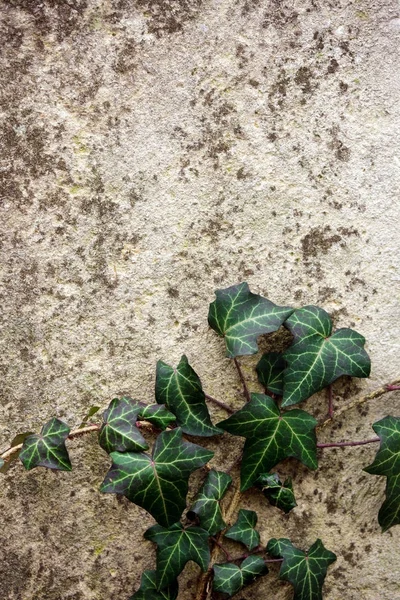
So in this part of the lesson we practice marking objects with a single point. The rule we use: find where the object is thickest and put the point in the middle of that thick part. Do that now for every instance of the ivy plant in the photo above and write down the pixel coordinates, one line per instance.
(153, 454)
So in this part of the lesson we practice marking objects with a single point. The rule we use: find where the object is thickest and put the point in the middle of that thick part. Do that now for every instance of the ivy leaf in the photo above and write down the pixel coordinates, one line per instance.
(306, 571)
(241, 316)
(176, 546)
(243, 530)
(318, 356)
(148, 589)
(181, 392)
(271, 437)
(206, 505)
(158, 484)
(229, 578)
(270, 372)
(47, 449)
(92, 411)
(156, 414)
(277, 493)
(119, 432)
(17, 440)
(387, 462)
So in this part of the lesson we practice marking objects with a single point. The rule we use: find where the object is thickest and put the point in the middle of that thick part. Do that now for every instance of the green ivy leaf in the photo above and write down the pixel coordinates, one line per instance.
(206, 505)
(387, 463)
(47, 449)
(181, 392)
(244, 529)
(271, 437)
(270, 372)
(119, 432)
(241, 316)
(148, 589)
(175, 547)
(318, 356)
(277, 493)
(17, 440)
(157, 415)
(158, 484)
(92, 411)
(229, 578)
(306, 571)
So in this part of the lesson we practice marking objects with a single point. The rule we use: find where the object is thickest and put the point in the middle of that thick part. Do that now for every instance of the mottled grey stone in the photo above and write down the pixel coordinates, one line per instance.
(153, 150)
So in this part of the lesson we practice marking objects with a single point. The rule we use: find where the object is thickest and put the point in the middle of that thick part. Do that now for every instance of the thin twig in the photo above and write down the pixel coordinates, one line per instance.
(224, 550)
(242, 379)
(342, 444)
(220, 403)
(73, 434)
(82, 431)
(204, 583)
(273, 560)
(361, 399)
(247, 554)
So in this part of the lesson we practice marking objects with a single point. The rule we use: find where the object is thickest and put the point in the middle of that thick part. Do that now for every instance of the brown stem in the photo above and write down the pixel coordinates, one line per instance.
(224, 550)
(272, 560)
(342, 444)
(204, 583)
(361, 399)
(242, 379)
(220, 403)
(73, 434)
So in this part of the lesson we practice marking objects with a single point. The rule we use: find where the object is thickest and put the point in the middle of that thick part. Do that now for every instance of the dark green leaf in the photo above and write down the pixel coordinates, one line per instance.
(240, 317)
(156, 414)
(176, 546)
(318, 357)
(47, 449)
(206, 505)
(387, 463)
(277, 493)
(181, 392)
(17, 440)
(119, 432)
(306, 571)
(92, 411)
(158, 484)
(243, 530)
(271, 436)
(270, 372)
(148, 589)
(229, 578)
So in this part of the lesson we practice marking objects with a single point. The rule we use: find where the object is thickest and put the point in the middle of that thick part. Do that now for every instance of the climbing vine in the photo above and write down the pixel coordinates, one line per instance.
(157, 479)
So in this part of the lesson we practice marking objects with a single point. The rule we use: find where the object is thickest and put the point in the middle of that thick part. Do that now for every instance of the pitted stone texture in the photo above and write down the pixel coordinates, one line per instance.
(151, 152)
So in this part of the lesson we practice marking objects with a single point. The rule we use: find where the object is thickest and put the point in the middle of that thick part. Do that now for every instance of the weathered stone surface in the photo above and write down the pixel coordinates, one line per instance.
(153, 150)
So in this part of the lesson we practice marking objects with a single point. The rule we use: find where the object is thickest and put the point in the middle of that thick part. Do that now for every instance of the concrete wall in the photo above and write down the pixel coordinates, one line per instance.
(152, 151)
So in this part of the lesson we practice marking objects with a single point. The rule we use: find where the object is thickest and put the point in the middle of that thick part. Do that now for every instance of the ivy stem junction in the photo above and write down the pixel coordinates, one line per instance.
(224, 550)
(388, 387)
(220, 403)
(73, 434)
